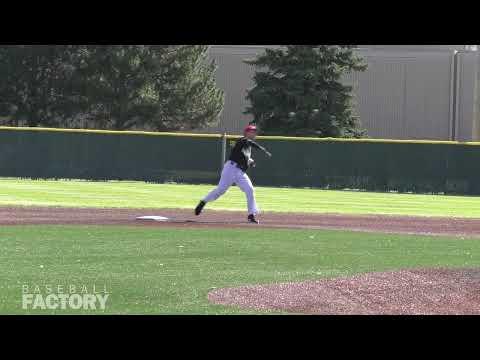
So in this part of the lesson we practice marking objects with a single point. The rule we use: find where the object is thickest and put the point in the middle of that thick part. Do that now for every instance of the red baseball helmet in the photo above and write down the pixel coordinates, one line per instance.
(250, 128)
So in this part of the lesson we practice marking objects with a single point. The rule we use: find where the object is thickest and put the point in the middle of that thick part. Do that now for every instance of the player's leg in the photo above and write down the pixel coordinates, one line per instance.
(245, 184)
(222, 187)
(226, 180)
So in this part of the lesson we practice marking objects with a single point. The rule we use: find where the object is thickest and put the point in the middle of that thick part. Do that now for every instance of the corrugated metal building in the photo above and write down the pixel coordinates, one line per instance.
(408, 91)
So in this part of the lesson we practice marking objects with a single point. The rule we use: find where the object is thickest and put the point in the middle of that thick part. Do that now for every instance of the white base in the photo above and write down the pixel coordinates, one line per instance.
(153, 218)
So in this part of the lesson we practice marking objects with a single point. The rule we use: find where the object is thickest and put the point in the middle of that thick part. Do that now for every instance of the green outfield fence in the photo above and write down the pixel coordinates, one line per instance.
(376, 165)
(103, 155)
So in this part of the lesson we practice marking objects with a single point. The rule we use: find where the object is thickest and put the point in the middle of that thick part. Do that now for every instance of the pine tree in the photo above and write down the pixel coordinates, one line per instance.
(117, 81)
(299, 91)
(159, 87)
(190, 96)
(36, 84)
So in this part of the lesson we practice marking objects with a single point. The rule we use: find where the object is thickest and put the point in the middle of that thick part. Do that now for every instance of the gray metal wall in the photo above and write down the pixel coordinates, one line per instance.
(406, 93)
(234, 77)
(466, 126)
(416, 47)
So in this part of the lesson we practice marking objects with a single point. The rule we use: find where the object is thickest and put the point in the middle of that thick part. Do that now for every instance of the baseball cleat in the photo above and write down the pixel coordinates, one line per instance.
(199, 208)
(251, 219)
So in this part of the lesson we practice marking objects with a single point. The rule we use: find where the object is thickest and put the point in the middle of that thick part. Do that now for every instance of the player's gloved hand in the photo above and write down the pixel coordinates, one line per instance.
(268, 154)
(251, 162)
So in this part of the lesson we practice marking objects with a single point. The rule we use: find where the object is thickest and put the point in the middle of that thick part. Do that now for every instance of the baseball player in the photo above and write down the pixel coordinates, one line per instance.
(234, 172)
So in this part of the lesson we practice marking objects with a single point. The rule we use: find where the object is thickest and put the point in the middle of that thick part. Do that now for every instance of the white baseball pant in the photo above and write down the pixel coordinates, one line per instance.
(231, 174)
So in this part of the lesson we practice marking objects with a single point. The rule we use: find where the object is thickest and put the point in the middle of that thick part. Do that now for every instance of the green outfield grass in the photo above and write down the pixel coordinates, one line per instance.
(142, 195)
(171, 271)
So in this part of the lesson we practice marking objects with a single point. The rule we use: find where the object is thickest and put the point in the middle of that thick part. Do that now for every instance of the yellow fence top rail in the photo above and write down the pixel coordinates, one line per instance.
(367, 140)
(284, 138)
(107, 132)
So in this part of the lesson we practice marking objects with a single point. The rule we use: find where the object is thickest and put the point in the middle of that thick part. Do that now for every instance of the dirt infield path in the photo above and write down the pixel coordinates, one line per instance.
(230, 219)
(408, 292)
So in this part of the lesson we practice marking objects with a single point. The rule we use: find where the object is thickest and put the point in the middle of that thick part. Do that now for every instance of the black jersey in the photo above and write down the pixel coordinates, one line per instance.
(242, 152)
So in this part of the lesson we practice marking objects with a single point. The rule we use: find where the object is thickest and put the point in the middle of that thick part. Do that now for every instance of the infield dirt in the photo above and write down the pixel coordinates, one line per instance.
(407, 292)
(231, 219)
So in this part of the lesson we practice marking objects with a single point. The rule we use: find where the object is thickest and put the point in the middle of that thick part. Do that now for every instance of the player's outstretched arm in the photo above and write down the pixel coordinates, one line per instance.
(259, 147)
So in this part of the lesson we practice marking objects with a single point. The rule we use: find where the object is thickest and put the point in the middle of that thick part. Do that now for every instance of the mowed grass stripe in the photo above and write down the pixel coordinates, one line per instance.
(117, 194)
(171, 271)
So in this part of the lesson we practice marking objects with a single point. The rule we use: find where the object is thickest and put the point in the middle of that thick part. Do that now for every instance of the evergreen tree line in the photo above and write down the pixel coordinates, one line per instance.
(298, 89)
(120, 87)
